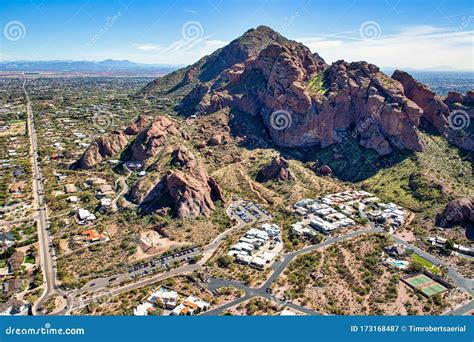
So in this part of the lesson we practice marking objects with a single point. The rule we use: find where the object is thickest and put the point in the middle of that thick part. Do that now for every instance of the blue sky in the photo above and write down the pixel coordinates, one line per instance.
(397, 33)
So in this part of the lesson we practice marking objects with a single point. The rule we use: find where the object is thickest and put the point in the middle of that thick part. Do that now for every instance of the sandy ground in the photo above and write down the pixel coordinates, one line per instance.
(406, 235)
(152, 243)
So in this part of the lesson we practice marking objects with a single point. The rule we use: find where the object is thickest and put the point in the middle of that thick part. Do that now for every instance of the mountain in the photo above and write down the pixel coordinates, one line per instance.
(302, 100)
(108, 65)
(266, 109)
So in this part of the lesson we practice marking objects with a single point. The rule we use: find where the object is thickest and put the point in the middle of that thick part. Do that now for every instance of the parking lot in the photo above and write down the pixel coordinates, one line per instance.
(249, 211)
(162, 262)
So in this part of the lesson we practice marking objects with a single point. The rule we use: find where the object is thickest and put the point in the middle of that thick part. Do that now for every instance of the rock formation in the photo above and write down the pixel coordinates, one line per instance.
(450, 116)
(139, 125)
(277, 169)
(190, 188)
(301, 99)
(458, 211)
(435, 110)
(151, 140)
(325, 170)
(144, 145)
(104, 147)
(110, 144)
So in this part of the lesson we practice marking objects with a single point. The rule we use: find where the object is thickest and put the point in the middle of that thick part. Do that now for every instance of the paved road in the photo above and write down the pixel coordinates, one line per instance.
(44, 239)
(460, 281)
(123, 190)
(278, 267)
(263, 291)
(101, 284)
(462, 310)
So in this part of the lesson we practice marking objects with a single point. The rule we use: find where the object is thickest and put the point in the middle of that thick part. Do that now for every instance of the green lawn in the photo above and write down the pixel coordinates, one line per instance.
(428, 265)
(29, 259)
(3, 263)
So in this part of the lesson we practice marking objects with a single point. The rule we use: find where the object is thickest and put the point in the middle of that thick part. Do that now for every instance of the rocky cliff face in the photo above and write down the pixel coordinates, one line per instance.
(111, 144)
(435, 110)
(192, 191)
(302, 100)
(277, 169)
(151, 140)
(450, 116)
(459, 211)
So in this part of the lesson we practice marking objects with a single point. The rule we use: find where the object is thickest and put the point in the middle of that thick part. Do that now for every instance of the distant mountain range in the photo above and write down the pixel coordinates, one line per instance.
(108, 65)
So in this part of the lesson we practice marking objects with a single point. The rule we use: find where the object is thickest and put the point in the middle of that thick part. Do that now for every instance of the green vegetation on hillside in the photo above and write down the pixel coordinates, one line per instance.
(318, 84)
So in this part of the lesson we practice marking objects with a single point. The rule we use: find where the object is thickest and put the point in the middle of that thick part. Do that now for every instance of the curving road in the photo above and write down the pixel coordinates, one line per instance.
(101, 284)
(278, 268)
(264, 291)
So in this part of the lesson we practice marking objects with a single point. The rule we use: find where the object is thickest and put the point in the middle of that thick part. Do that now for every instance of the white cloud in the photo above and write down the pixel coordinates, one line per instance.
(416, 47)
(148, 47)
(180, 52)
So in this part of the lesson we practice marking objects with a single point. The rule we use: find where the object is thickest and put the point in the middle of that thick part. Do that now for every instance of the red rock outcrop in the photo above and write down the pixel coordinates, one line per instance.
(458, 211)
(215, 140)
(192, 190)
(139, 125)
(325, 170)
(305, 102)
(435, 110)
(189, 186)
(110, 144)
(277, 169)
(150, 141)
(104, 147)
(450, 116)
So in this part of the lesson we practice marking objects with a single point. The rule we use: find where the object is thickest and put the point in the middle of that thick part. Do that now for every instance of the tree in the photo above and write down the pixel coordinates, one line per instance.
(449, 245)
(224, 261)
(415, 266)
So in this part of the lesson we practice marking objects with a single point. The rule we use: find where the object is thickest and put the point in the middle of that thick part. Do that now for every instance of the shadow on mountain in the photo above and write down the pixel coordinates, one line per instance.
(470, 232)
(348, 160)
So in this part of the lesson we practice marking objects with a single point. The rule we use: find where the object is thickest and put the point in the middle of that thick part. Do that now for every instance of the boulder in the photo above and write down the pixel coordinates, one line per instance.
(277, 169)
(215, 140)
(325, 170)
(458, 211)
